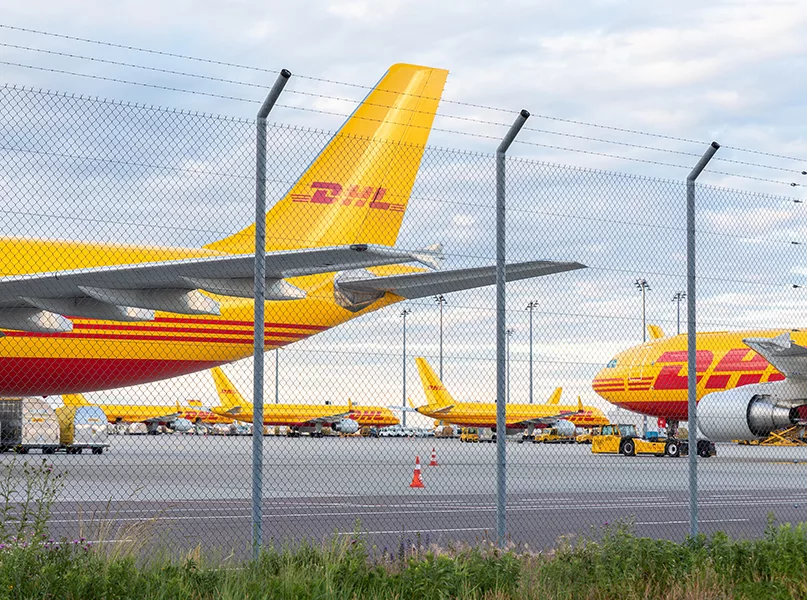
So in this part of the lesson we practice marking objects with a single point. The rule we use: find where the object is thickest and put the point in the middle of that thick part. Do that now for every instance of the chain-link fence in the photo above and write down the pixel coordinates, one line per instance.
(127, 281)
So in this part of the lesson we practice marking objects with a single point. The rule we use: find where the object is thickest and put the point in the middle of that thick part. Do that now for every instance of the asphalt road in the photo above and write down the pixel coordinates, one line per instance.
(181, 491)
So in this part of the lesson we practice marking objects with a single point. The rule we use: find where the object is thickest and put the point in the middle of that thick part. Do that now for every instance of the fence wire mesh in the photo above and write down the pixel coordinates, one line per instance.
(116, 215)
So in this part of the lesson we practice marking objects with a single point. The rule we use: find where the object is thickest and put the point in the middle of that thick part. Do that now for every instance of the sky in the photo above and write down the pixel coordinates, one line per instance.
(686, 72)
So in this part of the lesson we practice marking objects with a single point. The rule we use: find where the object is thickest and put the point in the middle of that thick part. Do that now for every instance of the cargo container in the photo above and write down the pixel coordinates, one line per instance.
(82, 428)
(31, 424)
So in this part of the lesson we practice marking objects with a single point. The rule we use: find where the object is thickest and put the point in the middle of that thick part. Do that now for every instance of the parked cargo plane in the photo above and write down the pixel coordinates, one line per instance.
(300, 418)
(440, 405)
(80, 316)
(750, 383)
(152, 416)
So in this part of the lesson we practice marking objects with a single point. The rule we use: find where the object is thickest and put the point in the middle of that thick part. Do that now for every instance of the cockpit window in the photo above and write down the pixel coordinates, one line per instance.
(611, 365)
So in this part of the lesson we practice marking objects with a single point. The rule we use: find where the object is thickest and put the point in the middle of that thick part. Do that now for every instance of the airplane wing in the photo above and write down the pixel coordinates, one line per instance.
(549, 420)
(327, 419)
(782, 353)
(38, 302)
(419, 285)
(161, 418)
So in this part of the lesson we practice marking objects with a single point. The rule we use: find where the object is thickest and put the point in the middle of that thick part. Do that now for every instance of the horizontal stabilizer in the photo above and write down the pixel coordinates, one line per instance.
(181, 301)
(419, 285)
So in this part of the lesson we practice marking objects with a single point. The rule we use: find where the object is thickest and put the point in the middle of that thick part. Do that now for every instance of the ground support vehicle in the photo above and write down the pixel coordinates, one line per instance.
(552, 436)
(469, 434)
(623, 439)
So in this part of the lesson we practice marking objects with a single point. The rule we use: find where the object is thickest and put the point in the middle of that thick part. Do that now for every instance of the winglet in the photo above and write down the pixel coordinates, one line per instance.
(555, 397)
(412, 404)
(579, 404)
(349, 405)
(656, 332)
(431, 256)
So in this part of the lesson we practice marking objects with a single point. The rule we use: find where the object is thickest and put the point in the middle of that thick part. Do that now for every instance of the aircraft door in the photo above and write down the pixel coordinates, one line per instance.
(638, 362)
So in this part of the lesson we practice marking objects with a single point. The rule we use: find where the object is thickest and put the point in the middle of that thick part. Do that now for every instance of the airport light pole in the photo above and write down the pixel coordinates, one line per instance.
(441, 301)
(260, 299)
(677, 297)
(509, 334)
(404, 314)
(643, 286)
(530, 307)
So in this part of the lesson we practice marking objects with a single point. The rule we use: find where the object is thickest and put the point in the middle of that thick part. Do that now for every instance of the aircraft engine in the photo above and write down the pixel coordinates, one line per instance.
(565, 428)
(181, 425)
(346, 426)
(745, 413)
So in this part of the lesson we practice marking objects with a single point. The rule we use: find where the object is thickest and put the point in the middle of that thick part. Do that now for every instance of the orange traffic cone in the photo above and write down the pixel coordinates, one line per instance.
(417, 482)
(433, 462)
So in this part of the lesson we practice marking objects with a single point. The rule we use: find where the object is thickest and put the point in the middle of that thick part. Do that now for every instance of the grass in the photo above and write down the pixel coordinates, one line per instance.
(609, 563)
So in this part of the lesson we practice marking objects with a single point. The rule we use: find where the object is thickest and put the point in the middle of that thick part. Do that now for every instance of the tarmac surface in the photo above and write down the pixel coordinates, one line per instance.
(184, 491)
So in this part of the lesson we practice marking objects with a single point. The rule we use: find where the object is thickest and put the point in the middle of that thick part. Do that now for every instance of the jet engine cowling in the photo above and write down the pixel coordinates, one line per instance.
(181, 425)
(346, 426)
(744, 413)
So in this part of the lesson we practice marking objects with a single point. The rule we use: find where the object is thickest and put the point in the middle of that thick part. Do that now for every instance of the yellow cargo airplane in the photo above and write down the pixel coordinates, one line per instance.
(440, 405)
(749, 383)
(80, 316)
(152, 416)
(300, 418)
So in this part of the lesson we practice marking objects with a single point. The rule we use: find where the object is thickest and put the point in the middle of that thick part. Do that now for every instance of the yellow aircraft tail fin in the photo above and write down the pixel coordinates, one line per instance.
(555, 397)
(74, 400)
(436, 393)
(655, 332)
(229, 397)
(357, 189)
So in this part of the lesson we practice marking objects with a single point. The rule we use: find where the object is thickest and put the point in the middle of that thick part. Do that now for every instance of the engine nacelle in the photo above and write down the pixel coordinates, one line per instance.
(354, 300)
(744, 413)
(181, 425)
(346, 426)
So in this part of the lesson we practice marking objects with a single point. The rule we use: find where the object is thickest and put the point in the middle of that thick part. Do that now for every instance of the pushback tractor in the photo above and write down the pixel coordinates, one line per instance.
(624, 439)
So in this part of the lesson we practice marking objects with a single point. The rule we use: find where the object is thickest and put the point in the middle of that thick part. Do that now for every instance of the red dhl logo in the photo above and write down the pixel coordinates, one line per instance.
(369, 415)
(748, 363)
(325, 192)
(227, 391)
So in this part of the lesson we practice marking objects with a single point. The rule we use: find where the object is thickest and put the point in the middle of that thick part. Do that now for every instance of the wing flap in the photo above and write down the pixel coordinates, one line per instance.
(419, 285)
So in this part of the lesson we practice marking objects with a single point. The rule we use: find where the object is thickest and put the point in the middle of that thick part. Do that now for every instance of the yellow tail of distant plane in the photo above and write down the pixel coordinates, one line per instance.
(74, 400)
(357, 189)
(229, 397)
(555, 397)
(436, 393)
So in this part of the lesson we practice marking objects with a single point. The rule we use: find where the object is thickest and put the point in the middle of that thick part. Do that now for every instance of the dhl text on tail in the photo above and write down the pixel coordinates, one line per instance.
(79, 316)
(300, 418)
(749, 383)
(441, 405)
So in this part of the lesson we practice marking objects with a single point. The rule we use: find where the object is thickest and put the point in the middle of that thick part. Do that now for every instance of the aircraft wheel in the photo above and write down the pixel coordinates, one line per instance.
(629, 447)
(703, 449)
(672, 449)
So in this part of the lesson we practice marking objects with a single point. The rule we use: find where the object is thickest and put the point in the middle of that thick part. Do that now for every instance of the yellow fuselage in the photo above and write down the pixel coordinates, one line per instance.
(652, 378)
(472, 414)
(99, 355)
(296, 415)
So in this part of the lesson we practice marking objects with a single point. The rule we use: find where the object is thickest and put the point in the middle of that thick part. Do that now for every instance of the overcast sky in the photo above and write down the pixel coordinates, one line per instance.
(729, 71)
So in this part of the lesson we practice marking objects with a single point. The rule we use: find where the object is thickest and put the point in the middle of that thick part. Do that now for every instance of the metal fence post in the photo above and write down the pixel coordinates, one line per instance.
(501, 325)
(260, 295)
(692, 378)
